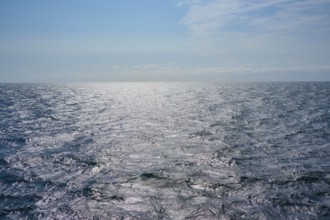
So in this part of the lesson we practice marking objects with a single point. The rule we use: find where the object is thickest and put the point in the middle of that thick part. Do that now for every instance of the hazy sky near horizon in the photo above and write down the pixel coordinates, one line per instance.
(164, 40)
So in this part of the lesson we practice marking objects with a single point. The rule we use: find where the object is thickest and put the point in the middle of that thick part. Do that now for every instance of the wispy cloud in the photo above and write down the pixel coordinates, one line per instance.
(216, 16)
(146, 66)
(251, 69)
(267, 33)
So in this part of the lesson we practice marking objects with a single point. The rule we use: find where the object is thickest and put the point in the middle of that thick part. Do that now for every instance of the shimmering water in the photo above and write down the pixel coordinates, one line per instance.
(165, 151)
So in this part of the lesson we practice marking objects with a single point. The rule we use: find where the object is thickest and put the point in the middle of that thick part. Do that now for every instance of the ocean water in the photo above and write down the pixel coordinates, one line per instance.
(165, 151)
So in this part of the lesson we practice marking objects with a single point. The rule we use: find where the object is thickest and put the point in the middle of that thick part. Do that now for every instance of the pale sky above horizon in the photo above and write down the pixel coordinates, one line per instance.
(164, 40)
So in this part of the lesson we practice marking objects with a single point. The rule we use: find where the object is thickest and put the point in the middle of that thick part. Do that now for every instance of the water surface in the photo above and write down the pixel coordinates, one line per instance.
(165, 151)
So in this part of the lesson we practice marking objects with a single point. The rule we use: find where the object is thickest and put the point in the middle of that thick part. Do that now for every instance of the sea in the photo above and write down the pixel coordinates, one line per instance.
(165, 151)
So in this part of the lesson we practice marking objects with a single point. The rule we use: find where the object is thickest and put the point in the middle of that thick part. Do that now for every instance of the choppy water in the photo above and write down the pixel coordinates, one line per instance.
(165, 151)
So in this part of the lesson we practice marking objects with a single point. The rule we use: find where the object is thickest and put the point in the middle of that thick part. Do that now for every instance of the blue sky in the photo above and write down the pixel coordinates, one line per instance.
(164, 40)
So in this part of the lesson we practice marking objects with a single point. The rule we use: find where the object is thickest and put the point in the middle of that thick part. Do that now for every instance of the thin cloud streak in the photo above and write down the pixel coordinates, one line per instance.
(216, 16)
(250, 68)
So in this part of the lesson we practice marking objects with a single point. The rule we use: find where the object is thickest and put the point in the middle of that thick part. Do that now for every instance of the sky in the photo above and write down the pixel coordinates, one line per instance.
(164, 40)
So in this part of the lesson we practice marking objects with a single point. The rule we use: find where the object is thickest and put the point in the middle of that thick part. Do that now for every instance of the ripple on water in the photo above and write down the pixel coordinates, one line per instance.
(165, 151)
